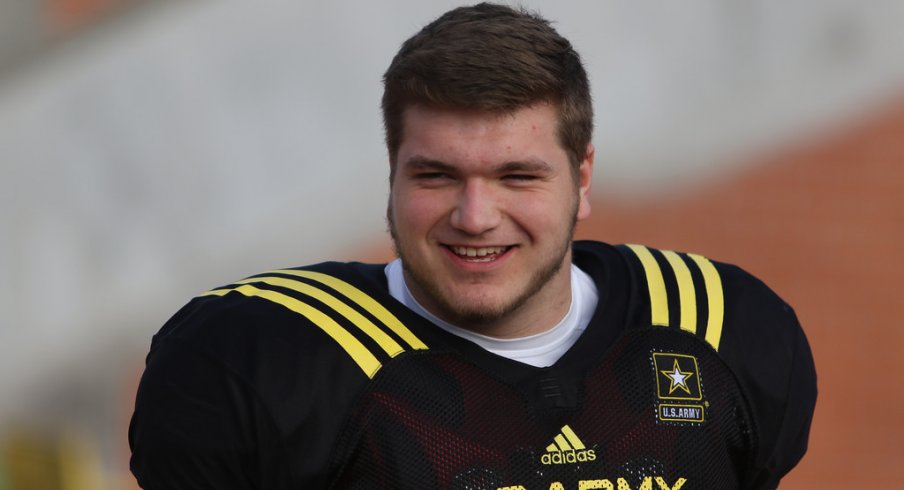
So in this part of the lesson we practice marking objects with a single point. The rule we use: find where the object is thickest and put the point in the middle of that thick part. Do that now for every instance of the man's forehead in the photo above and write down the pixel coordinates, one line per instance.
(425, 123)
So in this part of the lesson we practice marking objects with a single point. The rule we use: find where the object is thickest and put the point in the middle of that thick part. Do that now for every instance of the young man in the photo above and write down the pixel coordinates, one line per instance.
(495, 353)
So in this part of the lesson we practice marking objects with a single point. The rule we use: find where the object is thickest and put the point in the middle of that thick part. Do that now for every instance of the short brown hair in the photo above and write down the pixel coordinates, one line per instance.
(493, 58)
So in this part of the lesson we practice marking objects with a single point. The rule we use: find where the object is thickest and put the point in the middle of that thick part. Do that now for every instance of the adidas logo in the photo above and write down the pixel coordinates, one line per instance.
(567, 448)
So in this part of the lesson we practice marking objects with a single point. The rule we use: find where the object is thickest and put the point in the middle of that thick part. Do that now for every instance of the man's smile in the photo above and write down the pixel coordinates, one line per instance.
(478, 254)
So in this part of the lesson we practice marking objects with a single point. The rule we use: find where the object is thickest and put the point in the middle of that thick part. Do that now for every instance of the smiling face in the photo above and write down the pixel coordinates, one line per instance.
(482, 211)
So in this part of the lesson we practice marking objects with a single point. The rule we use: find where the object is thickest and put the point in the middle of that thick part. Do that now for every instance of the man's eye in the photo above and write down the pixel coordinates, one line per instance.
(432, 176)
(520, 177)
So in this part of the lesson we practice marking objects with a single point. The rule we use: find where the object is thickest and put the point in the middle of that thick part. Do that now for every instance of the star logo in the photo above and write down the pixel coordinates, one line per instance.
(678, 378)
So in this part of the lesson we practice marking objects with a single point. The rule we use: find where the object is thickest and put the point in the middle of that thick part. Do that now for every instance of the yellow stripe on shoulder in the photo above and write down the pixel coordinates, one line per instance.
(361, 298)
(687, 291)
(659, 304)
(355, 349)
(385, 342)
(714, 298)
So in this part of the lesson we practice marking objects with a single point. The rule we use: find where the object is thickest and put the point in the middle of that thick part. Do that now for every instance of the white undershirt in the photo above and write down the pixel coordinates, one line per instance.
(540, 350)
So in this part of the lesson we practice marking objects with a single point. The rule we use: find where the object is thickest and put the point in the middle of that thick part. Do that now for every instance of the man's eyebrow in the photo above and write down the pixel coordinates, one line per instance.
(525, 166)
(418, 162)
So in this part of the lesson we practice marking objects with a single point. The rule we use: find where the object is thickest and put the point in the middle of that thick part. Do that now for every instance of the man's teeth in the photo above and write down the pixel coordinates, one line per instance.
(477, 252)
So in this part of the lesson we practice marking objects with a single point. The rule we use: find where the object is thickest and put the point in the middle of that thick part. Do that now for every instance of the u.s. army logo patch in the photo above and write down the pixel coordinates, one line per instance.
(679, 394)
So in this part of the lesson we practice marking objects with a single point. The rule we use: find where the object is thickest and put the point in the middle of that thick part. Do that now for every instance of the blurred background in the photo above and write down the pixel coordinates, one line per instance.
(152, 149)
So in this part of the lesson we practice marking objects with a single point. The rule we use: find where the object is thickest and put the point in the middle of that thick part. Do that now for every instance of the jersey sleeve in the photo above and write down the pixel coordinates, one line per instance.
(250, 384)
(197, 425)
(754, 332)
(765, 346)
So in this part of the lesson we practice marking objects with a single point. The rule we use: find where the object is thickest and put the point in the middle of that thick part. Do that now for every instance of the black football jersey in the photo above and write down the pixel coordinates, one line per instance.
(692, 374)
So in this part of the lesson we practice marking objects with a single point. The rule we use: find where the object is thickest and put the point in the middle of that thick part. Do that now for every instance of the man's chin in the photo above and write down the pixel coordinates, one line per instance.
(463, 305)
(473, 313)
(471, 318)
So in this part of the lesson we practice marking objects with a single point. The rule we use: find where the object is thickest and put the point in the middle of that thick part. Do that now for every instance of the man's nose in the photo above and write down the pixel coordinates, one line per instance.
(477, 209)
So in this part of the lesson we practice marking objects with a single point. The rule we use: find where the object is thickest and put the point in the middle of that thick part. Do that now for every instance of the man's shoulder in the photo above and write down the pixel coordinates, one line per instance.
(248, 364)
(697, 293)
(256, 297)
(722, 304)
(332, 310)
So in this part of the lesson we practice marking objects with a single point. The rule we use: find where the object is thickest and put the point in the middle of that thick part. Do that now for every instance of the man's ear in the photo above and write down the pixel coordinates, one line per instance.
(585, 177)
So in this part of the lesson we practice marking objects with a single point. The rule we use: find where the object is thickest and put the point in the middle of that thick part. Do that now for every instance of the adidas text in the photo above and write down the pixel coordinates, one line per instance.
(570, 456)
